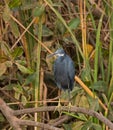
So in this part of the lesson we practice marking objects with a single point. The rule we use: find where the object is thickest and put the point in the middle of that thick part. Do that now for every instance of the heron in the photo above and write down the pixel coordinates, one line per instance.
(64, 72)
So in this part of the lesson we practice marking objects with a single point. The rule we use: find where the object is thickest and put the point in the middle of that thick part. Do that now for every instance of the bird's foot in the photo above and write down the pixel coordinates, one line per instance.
(58, 108)
(69, 106)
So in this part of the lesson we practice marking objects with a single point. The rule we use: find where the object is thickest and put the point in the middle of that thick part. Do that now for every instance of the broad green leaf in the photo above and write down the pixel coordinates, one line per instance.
(80, 116)
(5, 48)
(87, 126)
(77, 125)
(20, 77)
(74, 23)
(100, 86)
(96, 126)
(60, 28)
(75, 90)
(86, 75)
(14, 28)
(94, 104)
(6, 14)
(30, 79)
(3, 68)
(23, 69)
(39, 10)
(46, 31)
(18, 51)
(22, 62)
(18, 88)
(14, 3)
(67, 126)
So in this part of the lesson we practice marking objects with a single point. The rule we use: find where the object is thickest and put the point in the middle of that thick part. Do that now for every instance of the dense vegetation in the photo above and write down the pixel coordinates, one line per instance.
(29, 31)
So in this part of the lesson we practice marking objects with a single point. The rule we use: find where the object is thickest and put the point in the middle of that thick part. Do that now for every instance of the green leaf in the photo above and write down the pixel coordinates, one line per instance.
(96, 126)
(67, 126)
(23, 69)
(5, 48)
(14, 3)
(86, 75)
(14, 28)
(100, 86)
(3, 68)
(94, 104)
(77, 125)
(6, 14)
(30, 78)
(18, 51)
(18, 88)
(46, 31)
(87, 126)
(18, 91)
(60, 28)
(38, 11)
(80, 116)
(74, 23)
(22, 62)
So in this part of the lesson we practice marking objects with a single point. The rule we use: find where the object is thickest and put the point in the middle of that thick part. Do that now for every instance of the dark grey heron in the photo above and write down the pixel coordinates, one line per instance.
(64, 71)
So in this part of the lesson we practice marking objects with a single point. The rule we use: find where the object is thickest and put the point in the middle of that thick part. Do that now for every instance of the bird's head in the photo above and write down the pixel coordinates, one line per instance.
(58, 53)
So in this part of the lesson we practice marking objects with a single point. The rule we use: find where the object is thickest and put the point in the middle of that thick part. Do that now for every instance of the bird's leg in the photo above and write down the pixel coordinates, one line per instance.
(59, 104)
(58, 107)
(69, 105)
(59, 94)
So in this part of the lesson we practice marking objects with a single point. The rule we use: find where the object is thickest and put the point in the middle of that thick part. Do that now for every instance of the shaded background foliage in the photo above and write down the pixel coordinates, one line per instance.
(29, 29)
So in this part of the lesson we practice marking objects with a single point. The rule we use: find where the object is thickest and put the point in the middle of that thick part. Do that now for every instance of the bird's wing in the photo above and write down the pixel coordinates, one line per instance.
(56, 74)
(60, 73)
(71, 72)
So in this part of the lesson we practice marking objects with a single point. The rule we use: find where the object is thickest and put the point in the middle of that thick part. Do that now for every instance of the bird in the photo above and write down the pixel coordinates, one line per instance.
(64, 72)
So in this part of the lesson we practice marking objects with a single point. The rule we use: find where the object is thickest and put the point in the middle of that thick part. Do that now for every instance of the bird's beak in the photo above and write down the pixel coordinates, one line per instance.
(51, 55)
